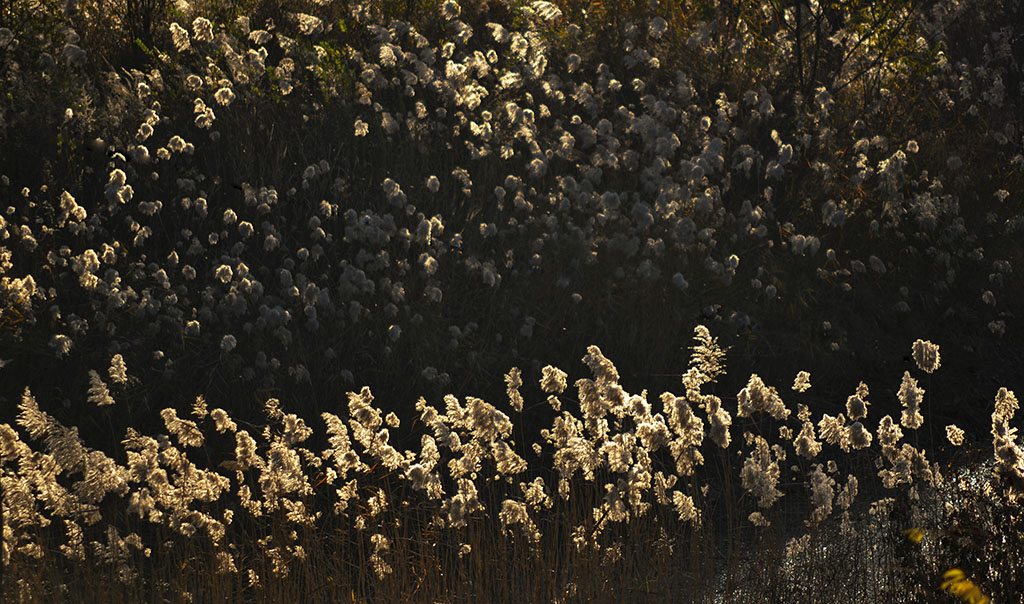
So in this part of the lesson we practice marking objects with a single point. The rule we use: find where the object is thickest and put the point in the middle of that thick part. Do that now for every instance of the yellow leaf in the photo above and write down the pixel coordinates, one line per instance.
(957, 583)
(953, 575)
(914, 534)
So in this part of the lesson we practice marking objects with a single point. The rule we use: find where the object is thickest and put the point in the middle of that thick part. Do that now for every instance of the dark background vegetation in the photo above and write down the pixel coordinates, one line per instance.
(643, 327)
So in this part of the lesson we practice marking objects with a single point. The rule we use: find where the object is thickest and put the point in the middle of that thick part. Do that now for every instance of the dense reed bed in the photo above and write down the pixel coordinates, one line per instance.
(293, 297)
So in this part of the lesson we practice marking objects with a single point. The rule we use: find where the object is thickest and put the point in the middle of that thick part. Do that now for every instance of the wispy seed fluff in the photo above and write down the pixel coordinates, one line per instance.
(831, 429)
(179, 37)
(222, 421)
(506, 460)
(552, 380)
(760, 473)
(1006, 404)
(690, 434)
(889, 435)
(805, 444)
(460, 506)
(535, 494)
(224, 96)
(451, 9)
(381, 545)
(602, 368)
(760, 398)
(203, 29)
(1009, 455)
(708, 357)
(822, 493)
(228, 343)
(657, 27)
(856, 405)
(802, 382)
(184, 430)
(360, 408)
(515, 513)
(245, 451)
(488, 424)
(720, 422)
(61, 344)
(684, 506)
(910, 396)
(98, 392)
(858, 436)
(954, 435)
(513, 381)
(926, 355)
